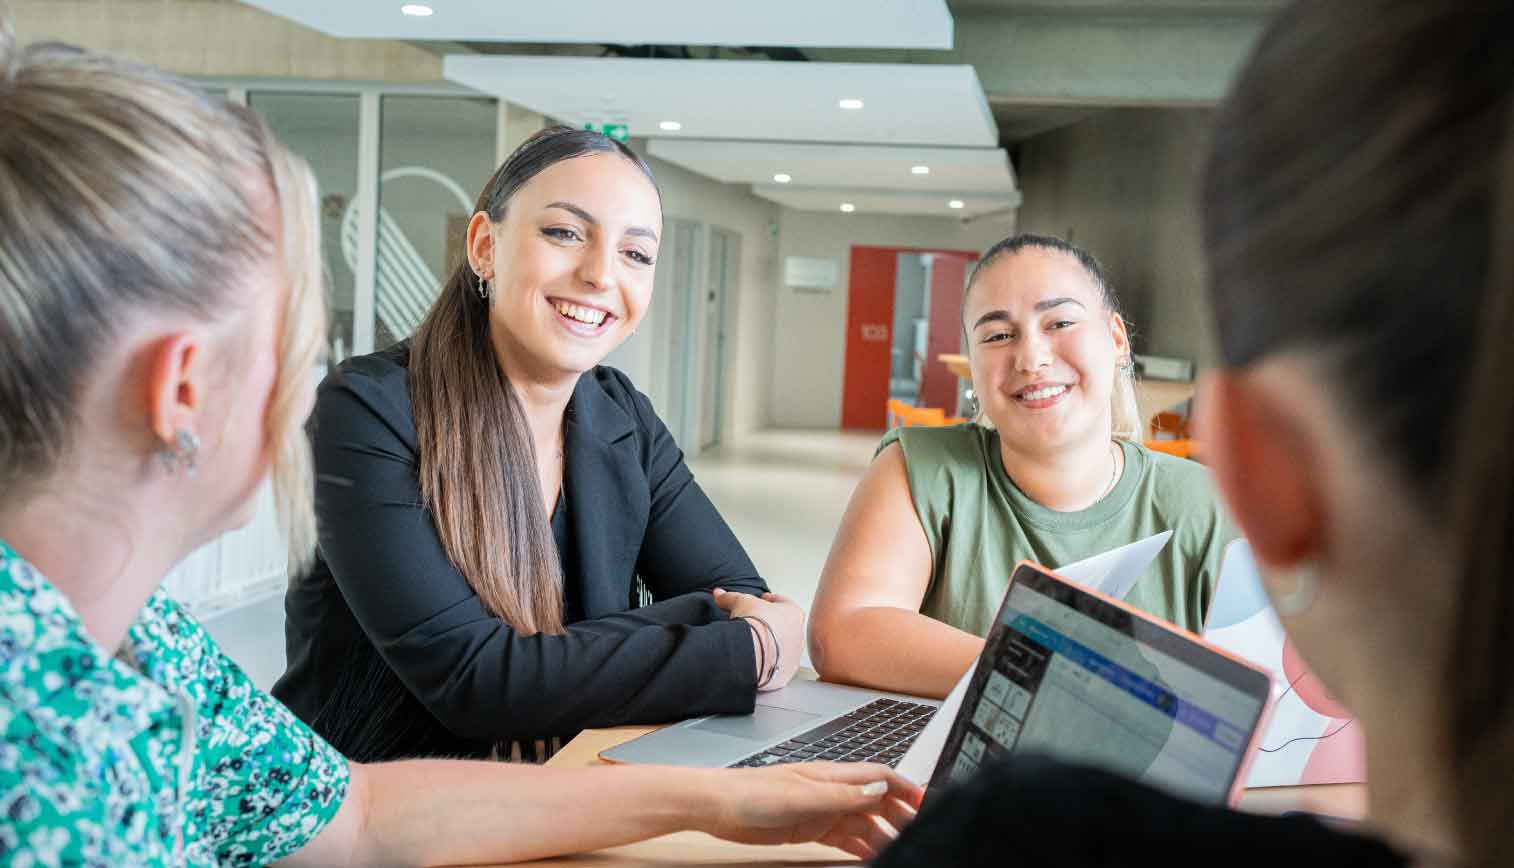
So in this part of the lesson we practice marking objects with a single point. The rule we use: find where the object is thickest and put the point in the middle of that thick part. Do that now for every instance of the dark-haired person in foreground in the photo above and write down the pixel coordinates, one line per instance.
(160, 314)
(489, 496)
(1359, 230)
(923, 555)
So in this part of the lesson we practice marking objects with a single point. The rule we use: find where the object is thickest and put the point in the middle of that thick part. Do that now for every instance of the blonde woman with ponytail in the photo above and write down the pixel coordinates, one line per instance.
(160, 314)
(1053, 473)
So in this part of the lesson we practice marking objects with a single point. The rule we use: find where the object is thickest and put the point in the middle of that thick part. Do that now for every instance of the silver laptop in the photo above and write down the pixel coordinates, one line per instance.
(807, 720)
(1066, 672)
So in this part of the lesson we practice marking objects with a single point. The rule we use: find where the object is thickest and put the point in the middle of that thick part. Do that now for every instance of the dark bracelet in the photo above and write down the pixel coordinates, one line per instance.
(777, 651)
(762, 650)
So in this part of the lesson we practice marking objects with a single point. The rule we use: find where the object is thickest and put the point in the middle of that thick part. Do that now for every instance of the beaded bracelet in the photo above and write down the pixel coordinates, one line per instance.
(777, 652)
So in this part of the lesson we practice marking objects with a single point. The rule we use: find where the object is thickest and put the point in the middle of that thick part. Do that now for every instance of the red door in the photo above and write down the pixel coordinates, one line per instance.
(869, 337)
(869, 332)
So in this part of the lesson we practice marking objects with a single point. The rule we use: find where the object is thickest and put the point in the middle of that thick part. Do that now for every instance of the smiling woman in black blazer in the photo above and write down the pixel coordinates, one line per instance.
(489, 495)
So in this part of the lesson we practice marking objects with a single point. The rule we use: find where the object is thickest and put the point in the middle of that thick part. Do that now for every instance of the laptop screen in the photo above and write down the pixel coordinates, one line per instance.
(1077, 677)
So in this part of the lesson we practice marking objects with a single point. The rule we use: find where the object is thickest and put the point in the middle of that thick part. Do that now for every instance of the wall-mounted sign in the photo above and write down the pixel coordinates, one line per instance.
(875, 331)
(618, 132)
(803, 272)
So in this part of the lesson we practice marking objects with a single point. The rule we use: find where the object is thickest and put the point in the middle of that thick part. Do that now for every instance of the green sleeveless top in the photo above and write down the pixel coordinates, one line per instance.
(979, 524)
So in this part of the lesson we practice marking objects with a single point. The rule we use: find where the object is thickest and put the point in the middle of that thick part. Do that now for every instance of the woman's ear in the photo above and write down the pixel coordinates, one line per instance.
(175, 387)
(1263, 460)
(1121, 335)
(481, 244)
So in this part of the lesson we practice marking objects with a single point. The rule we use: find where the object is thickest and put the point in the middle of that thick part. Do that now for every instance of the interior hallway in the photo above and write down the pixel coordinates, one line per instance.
(783, 492)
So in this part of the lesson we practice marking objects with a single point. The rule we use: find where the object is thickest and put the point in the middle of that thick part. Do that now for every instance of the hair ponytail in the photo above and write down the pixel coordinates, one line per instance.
(478, 464)
(1125, 411)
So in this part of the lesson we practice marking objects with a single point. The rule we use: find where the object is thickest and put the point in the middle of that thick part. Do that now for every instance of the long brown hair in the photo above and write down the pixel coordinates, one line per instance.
(478, 464)
(1359, 203)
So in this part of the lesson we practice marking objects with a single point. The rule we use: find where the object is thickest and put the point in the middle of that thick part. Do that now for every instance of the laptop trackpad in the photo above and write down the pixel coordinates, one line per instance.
(764, 724)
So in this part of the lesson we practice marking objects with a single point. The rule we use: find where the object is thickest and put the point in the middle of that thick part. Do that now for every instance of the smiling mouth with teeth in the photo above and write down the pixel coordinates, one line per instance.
(579, 313)
(1042, 394)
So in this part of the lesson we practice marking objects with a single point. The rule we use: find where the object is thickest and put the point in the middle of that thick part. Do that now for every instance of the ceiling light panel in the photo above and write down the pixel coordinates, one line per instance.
(923, 24)
(953, 170)
(900, 202)
(907, 104)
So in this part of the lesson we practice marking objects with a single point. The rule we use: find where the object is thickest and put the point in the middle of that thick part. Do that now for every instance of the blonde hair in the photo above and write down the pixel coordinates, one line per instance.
(125, 191)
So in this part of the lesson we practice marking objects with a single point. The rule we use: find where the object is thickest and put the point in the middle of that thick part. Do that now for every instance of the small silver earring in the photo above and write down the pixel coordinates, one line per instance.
(1305, 587)
(483, 287)
(184, 451)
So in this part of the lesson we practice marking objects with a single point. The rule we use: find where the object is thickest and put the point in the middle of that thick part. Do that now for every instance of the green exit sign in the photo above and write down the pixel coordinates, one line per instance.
(618, 132)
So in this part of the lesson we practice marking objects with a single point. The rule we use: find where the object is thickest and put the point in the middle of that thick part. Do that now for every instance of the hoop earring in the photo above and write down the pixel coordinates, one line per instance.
(1305, 587)
(183, 451)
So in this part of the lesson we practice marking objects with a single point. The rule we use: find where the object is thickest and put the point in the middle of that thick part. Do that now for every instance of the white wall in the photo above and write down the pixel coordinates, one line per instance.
(749, 346)
(806, 378)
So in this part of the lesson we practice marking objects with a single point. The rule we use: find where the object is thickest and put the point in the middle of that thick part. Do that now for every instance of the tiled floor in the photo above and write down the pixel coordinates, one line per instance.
(783, 492)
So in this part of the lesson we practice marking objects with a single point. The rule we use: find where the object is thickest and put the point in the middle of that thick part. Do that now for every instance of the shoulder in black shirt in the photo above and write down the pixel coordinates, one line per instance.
(1030, 811)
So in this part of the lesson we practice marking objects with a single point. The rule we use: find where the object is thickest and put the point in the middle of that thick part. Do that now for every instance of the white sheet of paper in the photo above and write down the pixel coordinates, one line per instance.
(1113, 572)
(1116, 571)
(919, 762)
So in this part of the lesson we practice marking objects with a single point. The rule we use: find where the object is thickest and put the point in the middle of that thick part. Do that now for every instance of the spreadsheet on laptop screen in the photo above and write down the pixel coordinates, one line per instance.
(1065, 683)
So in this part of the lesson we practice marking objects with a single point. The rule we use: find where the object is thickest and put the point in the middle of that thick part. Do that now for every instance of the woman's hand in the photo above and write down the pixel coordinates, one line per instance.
(787, 620)
(856, 807)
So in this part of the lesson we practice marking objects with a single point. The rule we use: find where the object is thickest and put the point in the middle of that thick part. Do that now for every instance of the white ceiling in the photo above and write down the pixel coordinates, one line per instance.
(903, 202)
(952, 170)
(797, 23)
(904, 104)
(886, 202)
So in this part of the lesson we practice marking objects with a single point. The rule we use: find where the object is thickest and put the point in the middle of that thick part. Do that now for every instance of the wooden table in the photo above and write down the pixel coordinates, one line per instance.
(694, 848)
(958, 365)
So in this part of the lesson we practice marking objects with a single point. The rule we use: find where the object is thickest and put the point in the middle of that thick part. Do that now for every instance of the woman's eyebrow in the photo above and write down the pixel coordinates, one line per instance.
(1047, 304)
(585, 216)
(993, 316)
(1042, 306)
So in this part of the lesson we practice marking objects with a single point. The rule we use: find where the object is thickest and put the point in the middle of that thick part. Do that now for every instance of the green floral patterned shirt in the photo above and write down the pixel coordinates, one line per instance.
(165, 754)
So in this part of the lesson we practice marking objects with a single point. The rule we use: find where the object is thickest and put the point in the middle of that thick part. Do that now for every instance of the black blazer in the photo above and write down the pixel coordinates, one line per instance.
(391, 654)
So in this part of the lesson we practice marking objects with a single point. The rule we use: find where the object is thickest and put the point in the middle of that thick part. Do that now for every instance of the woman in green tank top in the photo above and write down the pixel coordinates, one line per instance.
(928, 542)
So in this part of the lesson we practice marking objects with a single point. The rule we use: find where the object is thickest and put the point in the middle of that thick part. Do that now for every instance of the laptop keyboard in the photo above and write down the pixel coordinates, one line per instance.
(879, 732)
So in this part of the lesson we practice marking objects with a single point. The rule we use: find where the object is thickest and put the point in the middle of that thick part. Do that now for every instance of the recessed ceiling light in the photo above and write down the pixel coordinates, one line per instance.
(670, 126)
(783, 177)
(418, 10)
(850, 104)
(847, 207)
(919, 170)
(956, 203)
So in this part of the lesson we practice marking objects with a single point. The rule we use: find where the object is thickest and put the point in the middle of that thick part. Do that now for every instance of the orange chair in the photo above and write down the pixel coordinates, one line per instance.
(897, 410)
(902, 415)
(1180, 448)
(1173, 425)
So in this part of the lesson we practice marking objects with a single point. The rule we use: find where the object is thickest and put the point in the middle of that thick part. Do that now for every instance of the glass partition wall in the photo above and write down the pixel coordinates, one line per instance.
(398, 170)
